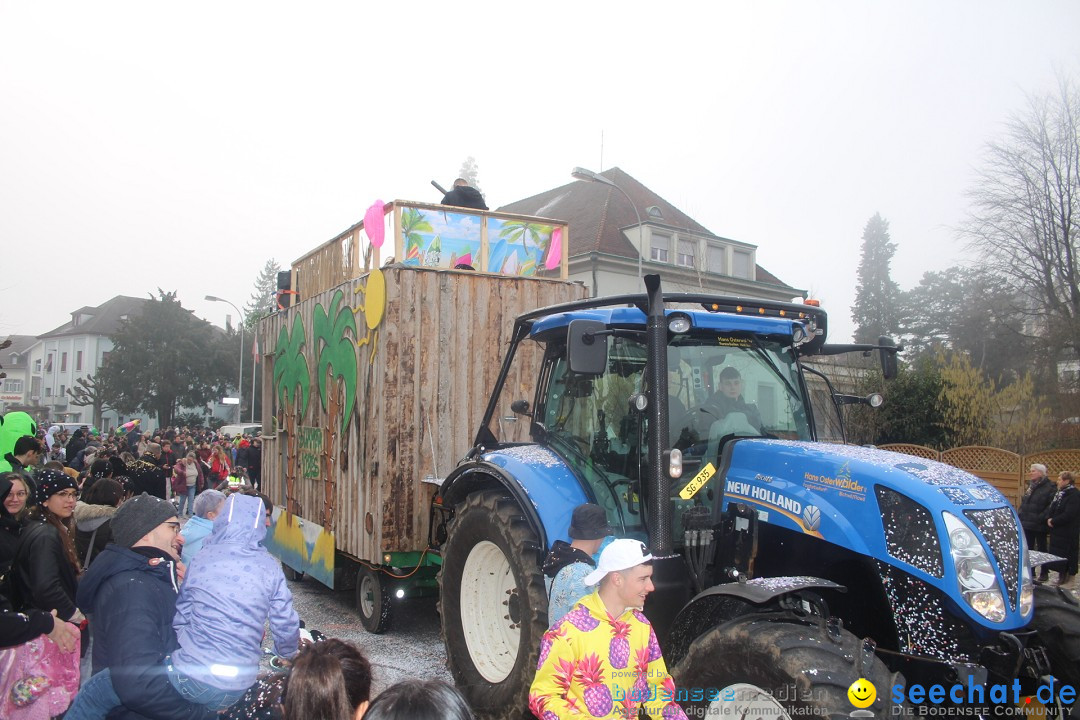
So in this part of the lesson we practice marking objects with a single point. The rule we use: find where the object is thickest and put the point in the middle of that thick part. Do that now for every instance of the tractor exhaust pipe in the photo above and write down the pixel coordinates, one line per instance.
(658, 505)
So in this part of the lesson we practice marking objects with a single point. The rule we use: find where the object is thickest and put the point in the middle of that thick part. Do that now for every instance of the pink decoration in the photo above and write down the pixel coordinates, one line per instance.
(554, 250)
(373, 224)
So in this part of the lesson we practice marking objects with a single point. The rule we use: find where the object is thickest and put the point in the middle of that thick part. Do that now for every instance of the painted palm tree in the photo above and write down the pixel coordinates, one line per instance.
(413, 223)
(293, 387)
(334, 333)
(515, 230)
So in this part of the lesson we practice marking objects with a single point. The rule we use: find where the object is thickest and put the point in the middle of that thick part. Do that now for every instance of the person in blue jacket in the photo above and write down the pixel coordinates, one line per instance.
(234, 585)
(129, 593)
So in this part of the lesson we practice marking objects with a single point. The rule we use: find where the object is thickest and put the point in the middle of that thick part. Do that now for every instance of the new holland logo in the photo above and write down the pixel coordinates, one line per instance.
(812, 517)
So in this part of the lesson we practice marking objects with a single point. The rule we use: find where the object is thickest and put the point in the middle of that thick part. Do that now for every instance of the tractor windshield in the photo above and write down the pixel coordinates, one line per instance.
(731, 386)
(719, 388)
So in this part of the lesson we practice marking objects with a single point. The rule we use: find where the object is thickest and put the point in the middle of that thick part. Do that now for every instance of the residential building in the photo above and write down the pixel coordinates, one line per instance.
(77, 349)
(15, 360)
(608, 240)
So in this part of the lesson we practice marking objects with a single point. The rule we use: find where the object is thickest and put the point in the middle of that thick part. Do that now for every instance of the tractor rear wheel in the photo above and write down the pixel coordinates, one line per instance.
(492, 603)
(763, 667)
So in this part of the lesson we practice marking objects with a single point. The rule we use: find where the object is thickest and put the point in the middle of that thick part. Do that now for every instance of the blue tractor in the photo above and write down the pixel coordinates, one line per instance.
(787, 568)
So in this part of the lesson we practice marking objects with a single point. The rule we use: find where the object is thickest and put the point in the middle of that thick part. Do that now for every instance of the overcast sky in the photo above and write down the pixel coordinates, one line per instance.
(181, 145)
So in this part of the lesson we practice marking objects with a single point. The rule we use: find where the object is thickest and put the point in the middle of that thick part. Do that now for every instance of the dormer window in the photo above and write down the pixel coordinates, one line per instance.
(654, 212)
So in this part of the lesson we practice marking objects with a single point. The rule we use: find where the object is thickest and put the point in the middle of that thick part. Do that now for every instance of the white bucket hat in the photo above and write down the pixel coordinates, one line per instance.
(619, 555)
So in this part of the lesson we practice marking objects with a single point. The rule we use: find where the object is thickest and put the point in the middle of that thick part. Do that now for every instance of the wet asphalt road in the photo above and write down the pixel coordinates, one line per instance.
(411, 648)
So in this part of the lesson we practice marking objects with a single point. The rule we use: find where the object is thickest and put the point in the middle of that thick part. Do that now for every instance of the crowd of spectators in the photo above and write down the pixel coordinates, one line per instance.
(96, 561)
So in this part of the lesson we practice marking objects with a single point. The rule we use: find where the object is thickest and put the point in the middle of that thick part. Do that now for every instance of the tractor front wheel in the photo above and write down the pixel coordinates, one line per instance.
(492, 603)
(756, 666)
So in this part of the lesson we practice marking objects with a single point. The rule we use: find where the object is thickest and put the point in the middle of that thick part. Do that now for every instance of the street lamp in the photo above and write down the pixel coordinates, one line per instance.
(588, 175)
(240, 381)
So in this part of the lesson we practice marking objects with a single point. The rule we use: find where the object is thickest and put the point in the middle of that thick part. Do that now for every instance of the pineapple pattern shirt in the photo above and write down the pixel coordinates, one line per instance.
(594, 665)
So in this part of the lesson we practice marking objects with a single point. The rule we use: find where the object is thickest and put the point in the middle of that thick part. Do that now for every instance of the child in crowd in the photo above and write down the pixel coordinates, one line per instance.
(231, 588)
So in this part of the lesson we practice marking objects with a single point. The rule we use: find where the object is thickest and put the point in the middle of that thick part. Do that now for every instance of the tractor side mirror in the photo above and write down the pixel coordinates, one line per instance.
(888, 356)
(586, 342)
(520, 407)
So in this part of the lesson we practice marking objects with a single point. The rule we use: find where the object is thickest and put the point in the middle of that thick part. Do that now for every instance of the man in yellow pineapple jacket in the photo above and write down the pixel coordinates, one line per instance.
(602, 659)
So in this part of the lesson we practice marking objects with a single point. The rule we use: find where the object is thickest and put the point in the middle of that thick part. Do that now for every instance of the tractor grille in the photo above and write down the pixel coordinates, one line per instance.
(910, 535)
(999, 529)
(923, 624)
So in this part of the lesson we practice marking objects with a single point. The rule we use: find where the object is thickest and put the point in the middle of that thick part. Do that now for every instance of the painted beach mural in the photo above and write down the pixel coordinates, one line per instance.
(442, 238)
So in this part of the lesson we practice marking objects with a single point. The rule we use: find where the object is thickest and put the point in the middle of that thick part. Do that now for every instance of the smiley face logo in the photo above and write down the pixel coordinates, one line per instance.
(862, 693)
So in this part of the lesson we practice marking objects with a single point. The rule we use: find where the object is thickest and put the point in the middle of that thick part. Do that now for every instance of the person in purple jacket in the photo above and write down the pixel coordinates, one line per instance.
(232, 587)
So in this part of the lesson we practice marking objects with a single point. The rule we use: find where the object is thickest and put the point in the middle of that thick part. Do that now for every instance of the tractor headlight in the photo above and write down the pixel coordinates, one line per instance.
(1027, 589)
(987, 603)
(974, 574)
(678, 323)
(1027, 598)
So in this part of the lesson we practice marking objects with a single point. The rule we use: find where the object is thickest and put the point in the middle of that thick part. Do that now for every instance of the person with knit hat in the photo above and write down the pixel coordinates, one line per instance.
(568, 563)
(234, 583)
(45, 571)
(130, 592)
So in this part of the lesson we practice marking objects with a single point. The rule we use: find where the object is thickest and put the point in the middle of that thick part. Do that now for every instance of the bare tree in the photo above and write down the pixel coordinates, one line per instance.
(1026, 210)
(470, 171)
(89, 393)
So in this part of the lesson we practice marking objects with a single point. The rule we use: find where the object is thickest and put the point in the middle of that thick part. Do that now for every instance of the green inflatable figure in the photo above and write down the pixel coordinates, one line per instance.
(12, 427)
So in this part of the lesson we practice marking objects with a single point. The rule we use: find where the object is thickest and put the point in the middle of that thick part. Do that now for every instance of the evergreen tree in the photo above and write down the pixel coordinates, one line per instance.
(264, 297)
(875, 310)
(469, 171)
(164, 359)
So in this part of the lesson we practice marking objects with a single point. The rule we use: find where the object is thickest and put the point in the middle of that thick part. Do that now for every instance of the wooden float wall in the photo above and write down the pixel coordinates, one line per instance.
(424, 375)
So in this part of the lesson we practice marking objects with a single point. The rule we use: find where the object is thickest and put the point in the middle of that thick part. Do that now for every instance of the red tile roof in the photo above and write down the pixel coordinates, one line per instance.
(598, 214)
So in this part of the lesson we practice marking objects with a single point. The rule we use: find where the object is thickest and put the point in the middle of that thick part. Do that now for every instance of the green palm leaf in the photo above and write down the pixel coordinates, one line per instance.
(290, 366)
(337, 352)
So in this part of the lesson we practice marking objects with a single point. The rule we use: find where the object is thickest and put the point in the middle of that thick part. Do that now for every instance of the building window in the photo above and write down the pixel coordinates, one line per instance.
(37, 365)
(63, 391)
(48, 392)
(78, 360)
(715, 257)
(686, 253)
(63, 362)
(13, 385)
(661, 247)
(741, 265)
(48, 362)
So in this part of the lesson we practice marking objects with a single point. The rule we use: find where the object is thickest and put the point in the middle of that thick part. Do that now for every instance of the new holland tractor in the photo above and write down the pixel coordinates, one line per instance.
(787, 568)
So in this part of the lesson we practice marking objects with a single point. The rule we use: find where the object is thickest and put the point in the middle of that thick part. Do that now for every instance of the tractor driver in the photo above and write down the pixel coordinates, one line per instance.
(725, 405)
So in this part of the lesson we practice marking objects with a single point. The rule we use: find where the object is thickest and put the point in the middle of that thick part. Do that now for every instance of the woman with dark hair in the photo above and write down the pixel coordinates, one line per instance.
(93, 517)
(45, 571)
(420, 700)
(1063, 520)
(330, 680)
(12, 503)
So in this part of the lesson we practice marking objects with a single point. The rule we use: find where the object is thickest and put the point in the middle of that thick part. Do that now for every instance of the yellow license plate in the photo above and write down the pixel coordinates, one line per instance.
(697, 482)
